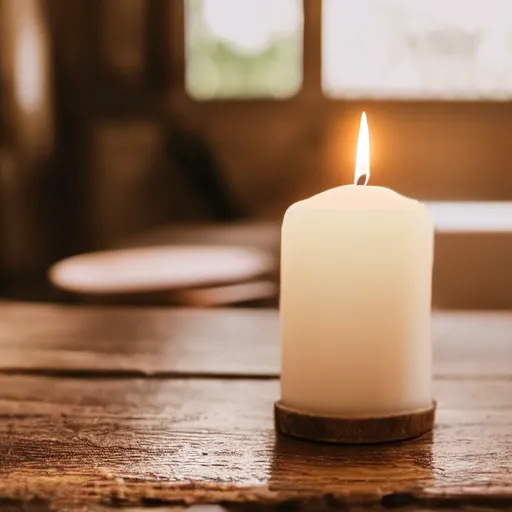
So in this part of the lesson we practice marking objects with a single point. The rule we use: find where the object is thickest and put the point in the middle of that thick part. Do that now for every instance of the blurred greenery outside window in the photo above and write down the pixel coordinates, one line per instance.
(243, 48)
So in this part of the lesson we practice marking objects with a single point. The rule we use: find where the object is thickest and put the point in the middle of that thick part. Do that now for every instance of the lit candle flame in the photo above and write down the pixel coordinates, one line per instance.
(362, 172)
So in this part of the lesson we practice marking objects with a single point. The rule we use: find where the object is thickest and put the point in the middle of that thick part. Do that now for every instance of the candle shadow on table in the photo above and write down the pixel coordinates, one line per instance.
(363, 469)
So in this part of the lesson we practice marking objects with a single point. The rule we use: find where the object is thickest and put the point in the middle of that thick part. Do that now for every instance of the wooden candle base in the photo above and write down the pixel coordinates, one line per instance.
(330, 429)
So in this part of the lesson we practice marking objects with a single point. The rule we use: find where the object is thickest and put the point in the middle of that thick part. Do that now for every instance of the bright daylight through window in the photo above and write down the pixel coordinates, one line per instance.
(440, 49)
(243, 48)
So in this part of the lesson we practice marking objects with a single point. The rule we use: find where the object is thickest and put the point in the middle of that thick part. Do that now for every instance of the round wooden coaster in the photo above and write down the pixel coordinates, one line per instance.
(329, 429)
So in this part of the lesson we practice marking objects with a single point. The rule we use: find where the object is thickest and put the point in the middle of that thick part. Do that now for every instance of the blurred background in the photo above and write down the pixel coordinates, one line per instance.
(175, 133)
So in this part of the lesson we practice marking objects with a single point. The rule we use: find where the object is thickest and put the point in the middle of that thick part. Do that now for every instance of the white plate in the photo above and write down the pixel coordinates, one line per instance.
(153, 269)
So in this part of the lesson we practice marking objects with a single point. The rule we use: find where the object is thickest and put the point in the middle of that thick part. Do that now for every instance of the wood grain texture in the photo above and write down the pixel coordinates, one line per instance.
(232, 343)
(83, 427)
(177, 441)
(152, 342)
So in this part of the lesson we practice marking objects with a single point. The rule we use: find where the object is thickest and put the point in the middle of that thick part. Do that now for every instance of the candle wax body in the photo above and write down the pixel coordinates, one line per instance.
(356, 275)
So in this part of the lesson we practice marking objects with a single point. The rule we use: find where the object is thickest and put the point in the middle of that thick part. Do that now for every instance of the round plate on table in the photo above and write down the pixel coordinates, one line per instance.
(156, 269)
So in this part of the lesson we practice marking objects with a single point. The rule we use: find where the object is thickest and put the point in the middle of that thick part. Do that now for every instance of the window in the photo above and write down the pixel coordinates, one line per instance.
(412, 49)
(243, 48)
(389, 49)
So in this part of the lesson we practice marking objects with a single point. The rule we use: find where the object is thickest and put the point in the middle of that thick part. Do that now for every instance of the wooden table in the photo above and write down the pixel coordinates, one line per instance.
(103, 408)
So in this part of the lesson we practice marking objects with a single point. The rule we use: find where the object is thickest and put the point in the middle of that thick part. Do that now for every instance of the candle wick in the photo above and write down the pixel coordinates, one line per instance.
(362, 179)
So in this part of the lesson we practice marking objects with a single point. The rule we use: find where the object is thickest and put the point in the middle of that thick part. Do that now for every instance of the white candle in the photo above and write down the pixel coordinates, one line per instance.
(356, 301)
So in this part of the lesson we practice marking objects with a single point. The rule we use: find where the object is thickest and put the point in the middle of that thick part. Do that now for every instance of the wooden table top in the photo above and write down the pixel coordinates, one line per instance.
(103, 408)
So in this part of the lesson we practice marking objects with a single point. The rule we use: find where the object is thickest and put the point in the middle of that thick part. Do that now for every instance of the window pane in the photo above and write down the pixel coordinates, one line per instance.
(243, 48)
(445, 49)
